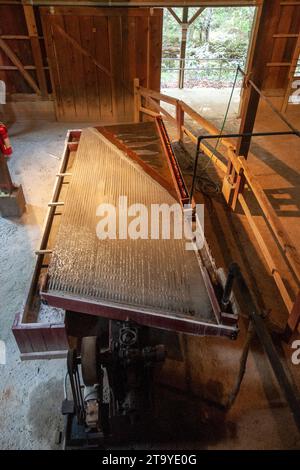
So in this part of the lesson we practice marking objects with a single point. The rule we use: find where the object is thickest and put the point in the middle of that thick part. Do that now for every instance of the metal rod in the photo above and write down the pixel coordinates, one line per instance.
(195, 170)
(277, 364)
(225, 136)
(280, 370)
(267, 100)
(232, 273)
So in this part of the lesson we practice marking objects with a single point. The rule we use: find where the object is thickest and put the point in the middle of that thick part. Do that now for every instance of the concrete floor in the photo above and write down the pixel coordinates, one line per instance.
(31, 392)
(209, 102)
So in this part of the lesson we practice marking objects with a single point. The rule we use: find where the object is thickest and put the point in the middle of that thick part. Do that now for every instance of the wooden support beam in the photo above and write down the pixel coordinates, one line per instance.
(184, 31)
(268, 23)
(149, 112)
(26, 67)
(292, 77)
(56, 204)
(207, 125)
(209, 153)
(279, 64)
(283, 35)
(158, 96)
(293, 320)
(83, 51)
(162, 111)
(282, 237)
(278, 278)
(36, 48)
(179, 121)
(43, 252)
(195, 16)
(10, 36)
(16, 61)
(13, 67)
(175, 15)
(136, 100)
(270, 12)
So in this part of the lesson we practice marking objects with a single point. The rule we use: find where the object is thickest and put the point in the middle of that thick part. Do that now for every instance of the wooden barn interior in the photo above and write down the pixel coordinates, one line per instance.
(212, 332)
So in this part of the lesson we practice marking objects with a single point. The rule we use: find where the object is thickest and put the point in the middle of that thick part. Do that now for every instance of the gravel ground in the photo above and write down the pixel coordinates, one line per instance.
(30, 392)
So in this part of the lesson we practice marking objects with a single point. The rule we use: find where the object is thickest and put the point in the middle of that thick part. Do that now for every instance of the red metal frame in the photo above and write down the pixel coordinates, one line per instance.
(178, 179)
(38, 340)
(154, 319)
(33, 338)
(134, 156)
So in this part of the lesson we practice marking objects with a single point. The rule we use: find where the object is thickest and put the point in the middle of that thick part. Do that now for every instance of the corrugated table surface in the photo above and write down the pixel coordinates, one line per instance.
(155, 275)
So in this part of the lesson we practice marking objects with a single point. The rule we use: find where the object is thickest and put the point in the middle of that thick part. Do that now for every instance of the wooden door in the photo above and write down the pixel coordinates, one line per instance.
(95, 53)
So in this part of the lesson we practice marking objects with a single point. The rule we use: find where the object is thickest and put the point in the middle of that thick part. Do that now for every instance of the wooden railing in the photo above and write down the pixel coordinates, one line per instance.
(149, 102)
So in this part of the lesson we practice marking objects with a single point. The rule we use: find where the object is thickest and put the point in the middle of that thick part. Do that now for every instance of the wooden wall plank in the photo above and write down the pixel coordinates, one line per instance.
(286, 22)
(35, 47)
(14, 24)
(17, 62)
(155, 51)
(76, 68)
(129, 63)
(54, 75)
(87, 35)
(104, 98)
(104, 11)
(64, 73)
(97, 58)
(142, 30)
(116, 58)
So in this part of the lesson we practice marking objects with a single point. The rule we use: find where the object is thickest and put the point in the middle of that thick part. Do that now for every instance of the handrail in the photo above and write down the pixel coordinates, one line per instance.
(182, 108)
(288, 251)
(208, 126)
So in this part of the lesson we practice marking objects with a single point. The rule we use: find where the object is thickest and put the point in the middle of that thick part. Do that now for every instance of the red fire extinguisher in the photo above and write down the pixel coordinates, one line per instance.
(5, 147)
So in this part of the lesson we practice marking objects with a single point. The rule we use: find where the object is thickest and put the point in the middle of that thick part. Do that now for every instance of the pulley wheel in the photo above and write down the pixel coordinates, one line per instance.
(90, 368)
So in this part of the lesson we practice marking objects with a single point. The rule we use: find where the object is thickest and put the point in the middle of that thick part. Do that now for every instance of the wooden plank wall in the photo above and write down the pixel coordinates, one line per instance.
(94, 64)
(285, 20)
(284, 29)
(13, 30)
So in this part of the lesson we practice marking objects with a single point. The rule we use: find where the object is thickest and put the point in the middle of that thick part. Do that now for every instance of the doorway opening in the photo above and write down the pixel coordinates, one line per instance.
(202, 48)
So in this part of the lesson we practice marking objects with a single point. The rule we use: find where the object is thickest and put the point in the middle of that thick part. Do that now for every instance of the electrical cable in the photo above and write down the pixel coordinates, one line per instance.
(204, 183)
(65, 386)
(224, 120)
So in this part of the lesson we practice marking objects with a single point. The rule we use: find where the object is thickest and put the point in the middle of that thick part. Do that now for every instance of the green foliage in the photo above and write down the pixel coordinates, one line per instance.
(226, 31)
(218, 41)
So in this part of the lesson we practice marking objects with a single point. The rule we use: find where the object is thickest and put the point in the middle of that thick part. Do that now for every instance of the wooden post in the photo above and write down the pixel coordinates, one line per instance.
(268, 22)
(184, 23)
(6, 184)
(293, 321)
(292, 72)
(261, 55)
(137, 99)
(180, 121)
(36, 49)
(184, 30)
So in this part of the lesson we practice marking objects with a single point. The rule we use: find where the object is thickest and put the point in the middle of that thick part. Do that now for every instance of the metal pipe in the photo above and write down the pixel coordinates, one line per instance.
(267, 100)
(280, 370)
(285, 382)
(232, 273)
(195, 170)
(222, 136)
